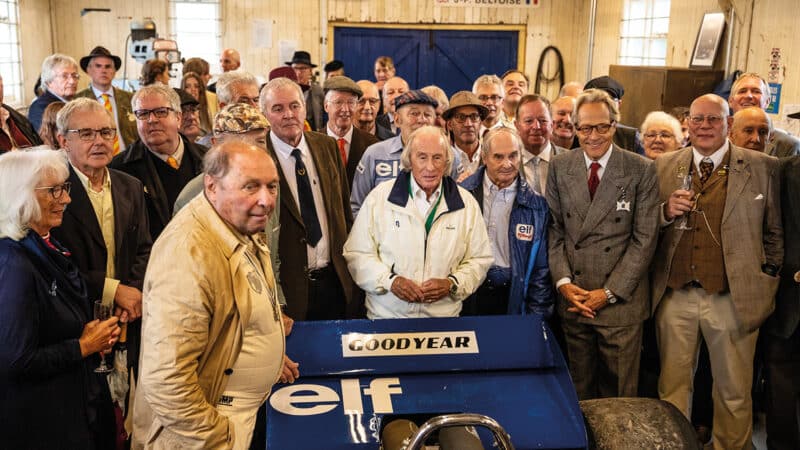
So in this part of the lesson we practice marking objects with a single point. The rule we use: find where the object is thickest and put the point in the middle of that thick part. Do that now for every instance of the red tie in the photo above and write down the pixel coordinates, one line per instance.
(342, 150)
(594, 180)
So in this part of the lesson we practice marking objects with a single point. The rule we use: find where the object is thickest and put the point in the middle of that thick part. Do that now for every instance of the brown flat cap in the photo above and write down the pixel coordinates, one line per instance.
(342, 84)
(464, 98)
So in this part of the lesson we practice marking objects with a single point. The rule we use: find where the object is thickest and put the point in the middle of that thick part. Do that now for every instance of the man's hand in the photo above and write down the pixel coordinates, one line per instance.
(435, 289)
(99, 337)
(679, 203)
(290, 370)
(597, 299)
(128, 299)
(288, 323)
(577, 296)
(407, 290)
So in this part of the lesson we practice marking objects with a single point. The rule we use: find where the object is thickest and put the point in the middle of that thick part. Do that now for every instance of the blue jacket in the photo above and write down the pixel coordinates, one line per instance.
(531, 288)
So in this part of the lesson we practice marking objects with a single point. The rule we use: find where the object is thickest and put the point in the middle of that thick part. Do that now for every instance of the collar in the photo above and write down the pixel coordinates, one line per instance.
(716, 157)
(285, 150)
(85, 180)
(603, 159)
(98, 93)
(544, 155)
(489, 186)
(417, 191)
(399, 193)
(475, 156)
(347, 136)
(57, 96)
(178, 154)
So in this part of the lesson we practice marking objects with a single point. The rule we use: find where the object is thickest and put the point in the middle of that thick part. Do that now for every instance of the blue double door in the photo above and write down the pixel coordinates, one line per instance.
(450, 59)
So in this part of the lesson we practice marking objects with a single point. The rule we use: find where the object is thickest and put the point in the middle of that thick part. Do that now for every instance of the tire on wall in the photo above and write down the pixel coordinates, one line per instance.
(636, 423)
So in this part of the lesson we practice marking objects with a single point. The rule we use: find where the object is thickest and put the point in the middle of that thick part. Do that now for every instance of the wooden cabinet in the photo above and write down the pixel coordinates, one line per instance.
(650, 88)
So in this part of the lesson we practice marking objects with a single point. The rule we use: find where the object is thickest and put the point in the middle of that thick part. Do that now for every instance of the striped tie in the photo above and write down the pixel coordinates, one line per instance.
(110, 109)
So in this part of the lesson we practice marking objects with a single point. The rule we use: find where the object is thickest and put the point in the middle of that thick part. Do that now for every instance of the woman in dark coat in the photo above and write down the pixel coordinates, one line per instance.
(50, 397)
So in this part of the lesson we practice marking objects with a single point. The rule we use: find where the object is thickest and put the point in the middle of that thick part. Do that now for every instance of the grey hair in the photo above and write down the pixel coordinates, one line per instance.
(164, 91)
(405, 157)
(596, 96)
(20, 172)
(228, 80)
(438, 94)
(767, 93)
(487, 80)
(51, 62)
(275, 84)
(82, 104)
(490, 136)
(656, 118)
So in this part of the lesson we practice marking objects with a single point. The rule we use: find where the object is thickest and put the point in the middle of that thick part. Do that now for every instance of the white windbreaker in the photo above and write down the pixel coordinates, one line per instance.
(388, 239)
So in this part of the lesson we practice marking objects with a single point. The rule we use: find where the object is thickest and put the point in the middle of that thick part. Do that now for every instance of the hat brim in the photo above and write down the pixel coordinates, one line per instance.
(87, 59)
(289, 63)
(794, 115)
(482, 111)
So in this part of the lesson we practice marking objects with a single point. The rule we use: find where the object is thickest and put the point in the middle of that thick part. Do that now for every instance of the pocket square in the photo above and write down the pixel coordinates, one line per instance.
(759, 197)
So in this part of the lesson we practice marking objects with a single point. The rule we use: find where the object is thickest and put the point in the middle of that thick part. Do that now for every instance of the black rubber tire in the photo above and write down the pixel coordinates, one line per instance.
(637, 423)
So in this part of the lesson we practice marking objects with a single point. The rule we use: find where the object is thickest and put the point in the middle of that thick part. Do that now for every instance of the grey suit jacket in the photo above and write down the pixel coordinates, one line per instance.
(751, 231)
(607, 242)
(314, 98)
(783, 145)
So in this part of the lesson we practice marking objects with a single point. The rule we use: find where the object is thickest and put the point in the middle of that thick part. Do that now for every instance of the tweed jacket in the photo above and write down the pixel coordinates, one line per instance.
(606, 242)
(783, 145)
(751, 232)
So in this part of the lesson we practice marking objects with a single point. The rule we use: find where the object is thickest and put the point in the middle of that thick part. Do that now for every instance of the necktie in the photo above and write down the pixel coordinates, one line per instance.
(342, 150)
(307, 209)
(110, 109)
(594, 180)
(173, 162)
(537, 182)
(706, 167)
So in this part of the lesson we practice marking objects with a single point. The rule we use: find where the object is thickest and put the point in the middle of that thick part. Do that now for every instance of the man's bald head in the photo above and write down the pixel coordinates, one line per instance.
(229, 60)
(751, 129)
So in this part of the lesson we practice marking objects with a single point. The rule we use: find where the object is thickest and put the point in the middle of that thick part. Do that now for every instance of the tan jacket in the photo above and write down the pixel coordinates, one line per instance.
(198, 292)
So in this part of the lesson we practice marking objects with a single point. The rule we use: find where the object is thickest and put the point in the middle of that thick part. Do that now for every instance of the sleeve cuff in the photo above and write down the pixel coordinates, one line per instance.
(109, 290)
(663, 218)
(563, 281)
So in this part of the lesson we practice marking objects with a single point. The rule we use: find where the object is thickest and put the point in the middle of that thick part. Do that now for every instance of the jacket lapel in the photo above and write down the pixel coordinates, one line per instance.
(577, 184)
(287, 199)
(122, 211)
(81, 209)
(613, 183)
(738, 177)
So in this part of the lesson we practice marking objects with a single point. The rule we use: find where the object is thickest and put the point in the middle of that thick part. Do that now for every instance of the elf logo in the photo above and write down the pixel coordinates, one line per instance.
(313, 399)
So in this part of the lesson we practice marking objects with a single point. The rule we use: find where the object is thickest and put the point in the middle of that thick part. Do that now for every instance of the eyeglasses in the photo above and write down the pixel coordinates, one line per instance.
(462, 118)
(490, 98)
(663, 135)
(601, 128)
(56, 191)
(160, 113)
(89, 134)
(372, 101)
(68, 76)
(712, 120)
(339, 104)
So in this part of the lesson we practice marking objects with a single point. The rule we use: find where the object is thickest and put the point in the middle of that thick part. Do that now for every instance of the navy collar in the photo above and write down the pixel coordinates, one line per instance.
(399, 192)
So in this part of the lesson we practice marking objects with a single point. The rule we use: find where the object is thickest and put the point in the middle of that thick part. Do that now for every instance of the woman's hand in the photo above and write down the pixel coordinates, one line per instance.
(99, 336)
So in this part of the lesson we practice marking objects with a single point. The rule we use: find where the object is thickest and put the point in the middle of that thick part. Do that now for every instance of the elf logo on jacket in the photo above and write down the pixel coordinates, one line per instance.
(387, 168)
(524, 232)
(313, 399)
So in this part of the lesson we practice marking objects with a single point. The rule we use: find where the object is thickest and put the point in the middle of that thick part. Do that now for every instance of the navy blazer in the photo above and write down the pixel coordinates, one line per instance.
(36, 110)
(49, 395)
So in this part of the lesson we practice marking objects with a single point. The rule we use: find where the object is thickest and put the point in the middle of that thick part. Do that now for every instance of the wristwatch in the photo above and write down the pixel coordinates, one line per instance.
(610, 297)
(453, 285)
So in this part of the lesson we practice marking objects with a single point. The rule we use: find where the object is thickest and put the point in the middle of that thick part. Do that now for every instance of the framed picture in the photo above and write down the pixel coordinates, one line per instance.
(708, 39)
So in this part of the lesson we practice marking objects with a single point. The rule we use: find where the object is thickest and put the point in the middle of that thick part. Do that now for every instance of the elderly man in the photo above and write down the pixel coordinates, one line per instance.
(563, 134)
(15, 130)
(367, 111)
(162, 159)
(410, 266)
(392, 88)
(60, 78)
(715, 271)
(751, 90)
(516, 220)
(381, 161)
(315, 217)
(535, 127)
(212, 335)
(571, 89)
(464, 118)
(341, 100)
(105, 227)
(102, 66)
(625, 137)
(229, 60)
(604, 205)
(515, 85)
(751, 129)
(312, 93)
(489, 89)
(234, 87)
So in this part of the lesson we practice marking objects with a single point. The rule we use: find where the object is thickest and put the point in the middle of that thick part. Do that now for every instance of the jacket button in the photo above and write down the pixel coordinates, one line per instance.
(577, 247)
(577, 272)
(569, 215)
(302, 240)
(607, 249)
(228, 371)
(617, 220)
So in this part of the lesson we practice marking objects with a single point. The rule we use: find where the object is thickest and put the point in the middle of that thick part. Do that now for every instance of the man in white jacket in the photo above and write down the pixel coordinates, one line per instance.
(419, 246)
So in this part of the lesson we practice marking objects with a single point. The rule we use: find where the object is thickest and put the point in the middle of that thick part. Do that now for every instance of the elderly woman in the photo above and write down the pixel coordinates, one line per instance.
(193, 84)
(51, 396)
(661, 134)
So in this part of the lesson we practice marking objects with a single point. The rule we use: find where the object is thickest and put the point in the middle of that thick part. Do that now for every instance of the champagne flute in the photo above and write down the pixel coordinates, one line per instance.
(687, 186)
(102, 312)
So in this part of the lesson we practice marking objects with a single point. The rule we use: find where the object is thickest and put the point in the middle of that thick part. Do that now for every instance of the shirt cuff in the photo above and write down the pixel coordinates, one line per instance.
(110, 290)
(663, 218)
(563, 281)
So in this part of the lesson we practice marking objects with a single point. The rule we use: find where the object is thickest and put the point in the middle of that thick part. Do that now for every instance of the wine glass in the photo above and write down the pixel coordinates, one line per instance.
(686, 186)
(102, 312)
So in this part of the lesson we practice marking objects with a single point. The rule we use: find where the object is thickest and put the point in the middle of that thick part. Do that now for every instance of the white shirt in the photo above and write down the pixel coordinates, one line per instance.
(421, 198)
(178, 155)
(603, 163)
(469, 165)
(98, 94)
(716, 157)
(497, 205)
(319, 256)
(529, 166)
(348, 139)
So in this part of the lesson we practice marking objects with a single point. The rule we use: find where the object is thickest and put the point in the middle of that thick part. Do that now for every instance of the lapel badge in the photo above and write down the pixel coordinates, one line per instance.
(723, 170)
(131, 117)
(255, 283)
(623, 205)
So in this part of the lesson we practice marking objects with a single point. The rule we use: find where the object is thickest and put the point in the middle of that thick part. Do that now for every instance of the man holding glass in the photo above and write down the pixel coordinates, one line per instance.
(716, 277)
